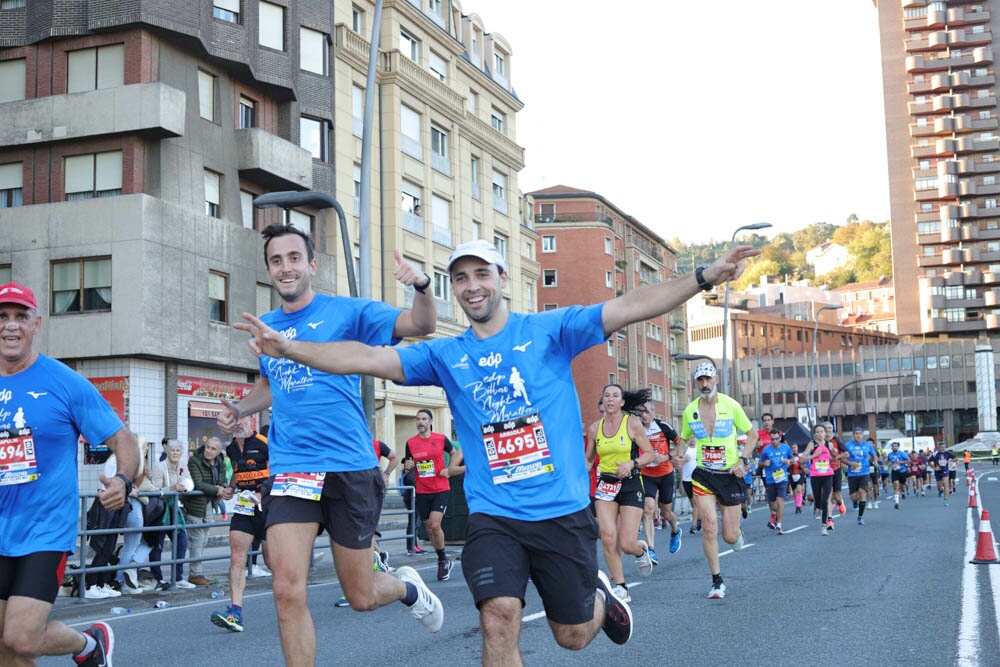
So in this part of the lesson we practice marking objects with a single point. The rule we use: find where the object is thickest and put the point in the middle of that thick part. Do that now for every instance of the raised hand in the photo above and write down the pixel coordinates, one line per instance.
(264, 340)
(731, 265)
(406, 273)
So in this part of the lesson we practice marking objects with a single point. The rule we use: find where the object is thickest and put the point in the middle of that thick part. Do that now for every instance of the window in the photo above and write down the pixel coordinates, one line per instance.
(548, 244)
(499, 191)
(213, 183)
(412, 216)
(529, 295)
(357, 191)
(477, 230)
(262, 299)
(611, 348)
(546, 212)
(358, 110)
(442, 285)
(313, 137)
(357, 20)
(94, 175)
(498, 120)
(206, 95)
(11, 184)
(226, 10)
(246, 208)
(549, 278)
(410, 127)
(81, 285)
(218, 290)
(93, 69)
(300, 220)
(607, 245)
(474, 170)
(472, 101)
(248, 113)
(438, 67)
(434, 8)
(499, 65)
(439, 150)
(13, 4)
(12, 78)
(5, 273)
(500, 243)
(441, 220)
(409, 46)
(609, 279)
(312, 51)
(272, 26)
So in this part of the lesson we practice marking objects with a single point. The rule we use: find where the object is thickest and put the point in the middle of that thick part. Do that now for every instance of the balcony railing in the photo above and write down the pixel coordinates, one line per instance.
(413, 223)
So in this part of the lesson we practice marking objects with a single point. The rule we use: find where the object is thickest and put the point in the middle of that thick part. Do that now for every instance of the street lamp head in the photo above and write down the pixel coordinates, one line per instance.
(294, 199)
(757, 225)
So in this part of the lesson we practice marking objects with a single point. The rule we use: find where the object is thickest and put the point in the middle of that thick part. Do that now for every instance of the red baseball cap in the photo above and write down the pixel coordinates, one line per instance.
(19, 294)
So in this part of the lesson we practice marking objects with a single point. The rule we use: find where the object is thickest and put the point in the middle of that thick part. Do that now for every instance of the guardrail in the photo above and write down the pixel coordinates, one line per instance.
(173, 528)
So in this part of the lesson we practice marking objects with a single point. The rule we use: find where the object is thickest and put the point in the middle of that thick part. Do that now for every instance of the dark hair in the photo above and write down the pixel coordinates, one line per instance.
(767, 414)
(272, 232)
(430, 415)
(634, 399)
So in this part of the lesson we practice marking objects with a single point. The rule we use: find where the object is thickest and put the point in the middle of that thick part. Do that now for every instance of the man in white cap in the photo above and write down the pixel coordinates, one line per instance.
(44, 408)
(526, 480)
(714, 421)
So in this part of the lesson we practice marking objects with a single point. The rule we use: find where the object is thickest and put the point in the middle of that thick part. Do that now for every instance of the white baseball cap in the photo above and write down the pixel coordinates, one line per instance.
(482, 249)
(704, 370)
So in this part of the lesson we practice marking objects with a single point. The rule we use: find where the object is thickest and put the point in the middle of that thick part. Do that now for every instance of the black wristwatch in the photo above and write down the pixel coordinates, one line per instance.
(699, 275)
(128, 483)
(423, 290)
(745, 460)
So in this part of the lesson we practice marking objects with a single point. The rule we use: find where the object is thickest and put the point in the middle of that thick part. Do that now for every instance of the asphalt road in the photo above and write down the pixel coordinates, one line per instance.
(896, 591)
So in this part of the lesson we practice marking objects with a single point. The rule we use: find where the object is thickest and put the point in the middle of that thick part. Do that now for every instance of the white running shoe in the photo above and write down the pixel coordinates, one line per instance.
(621, 593)
(717, 592)
(183, 583)
(110, 592)
(739, 543)
(259, 571)
(822, 531)
(95, 593)
(644, 563)
(427, 609)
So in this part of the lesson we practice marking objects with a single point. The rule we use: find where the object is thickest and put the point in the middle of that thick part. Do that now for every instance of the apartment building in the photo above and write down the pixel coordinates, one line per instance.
(589, 251)
(137, 135)
(940, 88)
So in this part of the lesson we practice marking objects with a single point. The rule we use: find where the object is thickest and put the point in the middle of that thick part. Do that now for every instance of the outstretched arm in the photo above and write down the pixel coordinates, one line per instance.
(421, 318)
(651, 301)
(340, 358)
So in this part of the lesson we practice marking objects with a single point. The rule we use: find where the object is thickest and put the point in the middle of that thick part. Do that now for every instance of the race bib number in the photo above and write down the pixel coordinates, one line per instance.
(17, 457)
(607, 490)
(713, 457)
(952, 465)
(517, 449)
(425, 468)
(822, 465)
(305, 485)
(778, 475)
(796, 478)
(246, 503)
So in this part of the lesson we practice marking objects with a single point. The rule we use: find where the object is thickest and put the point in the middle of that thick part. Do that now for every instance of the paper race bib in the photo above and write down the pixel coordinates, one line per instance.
(713, 457)
(17, 457)
(607, 490)
(517, 449)
(822, 465)
(305, 485)
(246, 503)
(425, 468)
(778, 475)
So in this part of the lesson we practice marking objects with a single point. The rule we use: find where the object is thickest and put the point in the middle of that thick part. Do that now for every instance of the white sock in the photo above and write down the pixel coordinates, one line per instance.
(89, 648)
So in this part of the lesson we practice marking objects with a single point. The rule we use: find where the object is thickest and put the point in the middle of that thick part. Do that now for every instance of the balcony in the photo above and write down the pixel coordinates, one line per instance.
(442, 306)
(150, 110)
(413, 223)
(271, 161)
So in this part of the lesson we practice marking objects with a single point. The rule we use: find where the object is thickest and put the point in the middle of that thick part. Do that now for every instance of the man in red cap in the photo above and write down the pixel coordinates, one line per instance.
(44, 408)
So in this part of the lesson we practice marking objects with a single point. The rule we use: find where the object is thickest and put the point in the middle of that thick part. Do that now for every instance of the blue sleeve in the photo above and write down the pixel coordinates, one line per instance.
(375, 323)
(418, 364)
(577, 327)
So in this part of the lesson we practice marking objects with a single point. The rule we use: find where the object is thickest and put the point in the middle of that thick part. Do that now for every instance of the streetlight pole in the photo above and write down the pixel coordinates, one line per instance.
(812, 366)
(725, 304)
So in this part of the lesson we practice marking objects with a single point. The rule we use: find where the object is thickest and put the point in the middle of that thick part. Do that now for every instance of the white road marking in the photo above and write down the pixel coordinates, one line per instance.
(968, 627)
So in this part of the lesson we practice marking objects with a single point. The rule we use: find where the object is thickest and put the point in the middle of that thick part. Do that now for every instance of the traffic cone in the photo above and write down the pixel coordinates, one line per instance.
(972, 497)
(985, 551)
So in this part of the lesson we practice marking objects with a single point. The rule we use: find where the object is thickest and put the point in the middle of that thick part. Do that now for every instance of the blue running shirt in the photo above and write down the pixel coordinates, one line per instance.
(317, 421)
(516, 409)
(772, 459)
(57, 405)
(858, 452)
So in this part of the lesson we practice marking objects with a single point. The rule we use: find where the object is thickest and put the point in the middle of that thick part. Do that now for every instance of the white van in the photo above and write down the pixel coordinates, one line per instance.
(923, 442)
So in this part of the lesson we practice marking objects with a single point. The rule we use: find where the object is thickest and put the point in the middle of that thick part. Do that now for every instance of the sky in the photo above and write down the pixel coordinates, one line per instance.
(697, 118)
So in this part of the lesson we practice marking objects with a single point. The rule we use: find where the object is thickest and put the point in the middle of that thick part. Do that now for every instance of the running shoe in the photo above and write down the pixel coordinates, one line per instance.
(417, 549)
(691, 530)
(861, 521)
(230, 619)
(95, 592)
(717, 592)
(622, 593)
(798, 510)
(444, 569)
(842, 509)
(778, 531)
(829, 524)
(699, 524)
(744, 511)
(427, 609)
(822, 531)
(770, 524)
(675, 541)
(897, 505)
(644, 562)
(101, 655)
(946, 503)
(259, 571)
(854, 505)
(183, 583)
(342, 602)
(617, 614)
(652, 556)
(739, 543)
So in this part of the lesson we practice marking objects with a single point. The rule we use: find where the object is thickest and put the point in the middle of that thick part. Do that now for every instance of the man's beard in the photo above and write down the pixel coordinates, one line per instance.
(711, 393)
